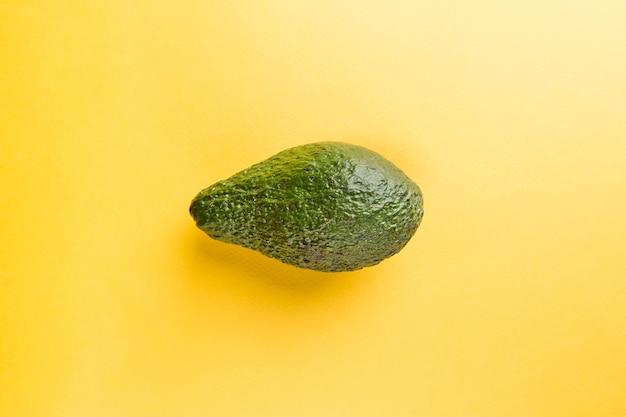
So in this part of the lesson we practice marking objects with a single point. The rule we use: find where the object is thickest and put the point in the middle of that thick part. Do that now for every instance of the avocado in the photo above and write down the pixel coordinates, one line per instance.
(326, 206)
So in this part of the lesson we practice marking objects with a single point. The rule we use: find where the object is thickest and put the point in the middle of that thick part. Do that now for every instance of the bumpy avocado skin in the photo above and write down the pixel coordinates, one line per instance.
(326, 206)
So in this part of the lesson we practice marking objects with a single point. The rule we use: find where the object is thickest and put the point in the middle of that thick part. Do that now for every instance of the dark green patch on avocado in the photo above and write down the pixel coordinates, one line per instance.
(326, 206)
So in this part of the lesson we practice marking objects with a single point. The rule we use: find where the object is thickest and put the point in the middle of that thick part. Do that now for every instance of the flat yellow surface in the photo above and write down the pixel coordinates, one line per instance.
(509, 301)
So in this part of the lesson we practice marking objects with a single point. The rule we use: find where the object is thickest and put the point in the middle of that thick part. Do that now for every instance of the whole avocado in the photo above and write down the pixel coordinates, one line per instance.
(326, 206)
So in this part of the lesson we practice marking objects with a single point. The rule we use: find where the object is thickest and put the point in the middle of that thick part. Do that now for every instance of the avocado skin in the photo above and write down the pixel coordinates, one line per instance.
(326, 206)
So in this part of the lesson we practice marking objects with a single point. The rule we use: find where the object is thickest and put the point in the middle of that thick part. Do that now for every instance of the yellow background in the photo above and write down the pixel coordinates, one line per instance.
(509, 300)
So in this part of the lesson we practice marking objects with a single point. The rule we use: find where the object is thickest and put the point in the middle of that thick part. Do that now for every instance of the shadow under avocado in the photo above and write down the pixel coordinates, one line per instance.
(204, 253)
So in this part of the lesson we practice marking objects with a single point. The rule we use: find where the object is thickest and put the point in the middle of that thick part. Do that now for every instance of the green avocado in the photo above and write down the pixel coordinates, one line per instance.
(326, 206)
